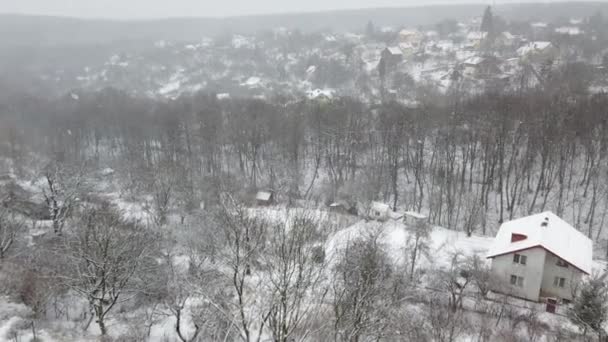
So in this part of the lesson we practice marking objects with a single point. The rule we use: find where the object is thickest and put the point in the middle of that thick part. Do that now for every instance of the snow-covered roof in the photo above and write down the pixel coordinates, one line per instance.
(405, 46)
(395, 215)
(406, 32)
(533, 47)
(323, 93)
(415, 215)
(380, 207)
(476, 35)
(474, 60)
(576, 21)
(252, 81)
(548, 231)
(569, 30)
(107, 172)
(263, 196)
(394, 50)
(539, 24)
(508, 35)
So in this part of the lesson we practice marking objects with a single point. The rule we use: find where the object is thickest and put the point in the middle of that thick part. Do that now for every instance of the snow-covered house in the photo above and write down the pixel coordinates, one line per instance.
(540, 257)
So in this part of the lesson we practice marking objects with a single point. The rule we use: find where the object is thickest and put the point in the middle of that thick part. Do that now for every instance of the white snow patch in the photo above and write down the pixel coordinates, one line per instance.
(252, 82)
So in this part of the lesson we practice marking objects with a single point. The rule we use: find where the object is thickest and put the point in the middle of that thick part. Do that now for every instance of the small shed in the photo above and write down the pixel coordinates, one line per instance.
(264, 198)
(343, 207)
(379, 211)
(412, 217)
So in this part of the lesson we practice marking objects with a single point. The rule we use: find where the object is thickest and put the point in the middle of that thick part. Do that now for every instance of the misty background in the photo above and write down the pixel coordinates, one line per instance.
(146, 9)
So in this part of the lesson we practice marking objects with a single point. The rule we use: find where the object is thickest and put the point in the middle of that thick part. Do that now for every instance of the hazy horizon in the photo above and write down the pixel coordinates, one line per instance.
(156, 9)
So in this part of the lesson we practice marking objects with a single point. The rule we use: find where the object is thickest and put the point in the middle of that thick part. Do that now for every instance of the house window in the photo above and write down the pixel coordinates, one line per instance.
(562, 263)
(517, 281)
(520, 259)
(517, 237)
(559, 282)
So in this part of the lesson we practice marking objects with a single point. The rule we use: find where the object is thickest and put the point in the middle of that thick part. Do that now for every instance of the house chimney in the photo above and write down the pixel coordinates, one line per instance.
(545, 223)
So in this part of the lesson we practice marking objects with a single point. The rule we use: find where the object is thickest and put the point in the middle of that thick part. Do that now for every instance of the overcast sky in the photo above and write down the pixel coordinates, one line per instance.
(140, 9)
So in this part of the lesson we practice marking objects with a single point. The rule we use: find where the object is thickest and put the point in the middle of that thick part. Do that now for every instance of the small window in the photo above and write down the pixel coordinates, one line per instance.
(517, 281)
(559, 282)
(562, 263)
(520, 259)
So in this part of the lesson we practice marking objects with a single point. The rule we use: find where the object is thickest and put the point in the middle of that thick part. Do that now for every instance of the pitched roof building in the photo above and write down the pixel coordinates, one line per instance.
(540, 256)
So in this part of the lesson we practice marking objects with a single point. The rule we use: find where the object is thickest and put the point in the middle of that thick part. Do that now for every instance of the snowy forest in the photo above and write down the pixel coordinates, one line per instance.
(224, 214)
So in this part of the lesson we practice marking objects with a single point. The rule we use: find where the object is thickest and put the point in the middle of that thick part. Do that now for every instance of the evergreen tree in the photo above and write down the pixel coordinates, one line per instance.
(487, 23)
(590, 310)
(488, 26)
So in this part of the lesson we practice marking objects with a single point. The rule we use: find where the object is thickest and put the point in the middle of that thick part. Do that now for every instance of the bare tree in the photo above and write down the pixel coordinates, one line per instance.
(245, 238)
(10, 227)
(104, 255)
(481, 275)
(61, 191)
(417, 244)
(454, 280)
(362, 291)
(294, 275)
(162, 193)
(444, 325)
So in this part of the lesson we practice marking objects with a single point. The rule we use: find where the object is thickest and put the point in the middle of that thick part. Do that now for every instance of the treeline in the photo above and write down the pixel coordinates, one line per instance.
(470, 162)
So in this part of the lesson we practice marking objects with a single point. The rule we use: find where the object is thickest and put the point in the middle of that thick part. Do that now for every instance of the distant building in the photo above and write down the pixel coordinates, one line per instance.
(392, 54)
(475, 38)
(390, 58)
(481, 67)
(407, 49)
(538, 52)
(569, 30)
(343, 207)
(540, 257)
(413, 37)
(264, 198)
(506, 39)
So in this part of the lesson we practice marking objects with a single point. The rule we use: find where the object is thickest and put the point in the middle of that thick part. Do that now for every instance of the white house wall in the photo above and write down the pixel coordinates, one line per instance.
(503, 267)
(571, 274)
